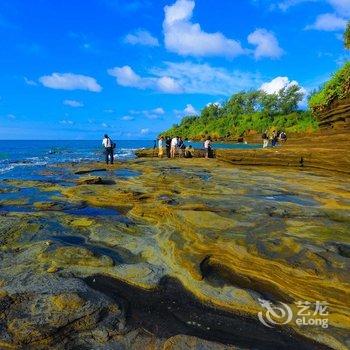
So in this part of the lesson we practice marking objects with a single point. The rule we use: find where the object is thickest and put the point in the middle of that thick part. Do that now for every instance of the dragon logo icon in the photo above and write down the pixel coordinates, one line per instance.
(274, 315)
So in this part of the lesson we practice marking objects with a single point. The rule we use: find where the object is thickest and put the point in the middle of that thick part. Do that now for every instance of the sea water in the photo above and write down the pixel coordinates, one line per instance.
(18, 158)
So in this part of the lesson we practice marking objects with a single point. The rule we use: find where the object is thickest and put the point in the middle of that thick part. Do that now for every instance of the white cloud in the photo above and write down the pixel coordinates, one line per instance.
(170, 85)
(144, 131)
(127, 118)
(328, 22)
(266, 44)
(127, 77)
(73, 103)
(190, 110)
(70, 81)
(206, 79)
(158, 110)
(342, 7)
(286, 4)
(275, 85)
(141, 37)
(187, 77)
(152, 114)
(30, 82)
(66, 122)
(186, 38)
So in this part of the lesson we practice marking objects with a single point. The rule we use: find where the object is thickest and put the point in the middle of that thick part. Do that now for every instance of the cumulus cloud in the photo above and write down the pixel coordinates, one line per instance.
(144, 131)
(186, 38)
(206, 79)
(170, 85)
(190, 110)
(328, 22)
(187, 77)
(73, 103)
(127, 77)
(275, 85)
(70, 81)
(158, 111)
(266, 44)
(141, 37)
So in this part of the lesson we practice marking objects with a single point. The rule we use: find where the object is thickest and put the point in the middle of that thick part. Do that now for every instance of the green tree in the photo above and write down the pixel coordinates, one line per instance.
(347, 36)
(268, 104)
(289, 98)
(210, 112)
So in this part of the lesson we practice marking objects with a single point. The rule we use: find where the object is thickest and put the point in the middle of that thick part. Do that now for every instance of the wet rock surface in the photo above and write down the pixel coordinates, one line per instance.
(159, 254)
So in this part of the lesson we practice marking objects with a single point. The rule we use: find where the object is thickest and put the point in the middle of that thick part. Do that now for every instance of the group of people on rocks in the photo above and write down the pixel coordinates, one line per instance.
(176, 146)
(274, 138)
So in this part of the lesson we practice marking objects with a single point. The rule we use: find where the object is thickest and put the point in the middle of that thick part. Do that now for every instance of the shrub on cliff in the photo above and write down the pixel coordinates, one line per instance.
(337, 88)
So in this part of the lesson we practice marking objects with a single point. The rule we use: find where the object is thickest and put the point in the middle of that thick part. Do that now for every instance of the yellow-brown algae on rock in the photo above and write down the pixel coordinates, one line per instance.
(69, 301)
(74, 256)
(229, 236)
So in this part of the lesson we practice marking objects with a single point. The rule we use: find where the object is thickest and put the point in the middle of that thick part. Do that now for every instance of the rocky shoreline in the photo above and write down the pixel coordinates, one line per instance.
(173, 254)
(327, 150)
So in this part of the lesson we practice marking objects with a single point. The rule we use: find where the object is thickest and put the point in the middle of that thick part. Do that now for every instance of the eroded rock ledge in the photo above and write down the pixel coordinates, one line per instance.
(172, 255)
(327, 150)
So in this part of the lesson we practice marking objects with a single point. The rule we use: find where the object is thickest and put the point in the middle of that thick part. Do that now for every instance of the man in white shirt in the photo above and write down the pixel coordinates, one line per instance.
(173, 147)
(207, 147)
(109, 149)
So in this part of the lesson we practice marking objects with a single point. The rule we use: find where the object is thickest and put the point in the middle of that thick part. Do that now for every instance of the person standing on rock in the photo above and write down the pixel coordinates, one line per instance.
(274, 139)
(173, 147)
(160, 147)
(167, 145)
(109, 146)
(265, 138)
(207, 147)
(181, 147)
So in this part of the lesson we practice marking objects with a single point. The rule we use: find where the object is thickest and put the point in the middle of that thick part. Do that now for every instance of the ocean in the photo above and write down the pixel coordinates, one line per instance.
(22, 159)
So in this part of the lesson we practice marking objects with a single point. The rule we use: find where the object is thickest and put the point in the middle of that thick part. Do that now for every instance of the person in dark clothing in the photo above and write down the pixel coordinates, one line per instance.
(274, 138)
(109, 149)
(181, 146)
(167, 146)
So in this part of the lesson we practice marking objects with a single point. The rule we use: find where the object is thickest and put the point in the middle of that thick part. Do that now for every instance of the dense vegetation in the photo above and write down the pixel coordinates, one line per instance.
(248, 113)
(255, 111)
(337, 88)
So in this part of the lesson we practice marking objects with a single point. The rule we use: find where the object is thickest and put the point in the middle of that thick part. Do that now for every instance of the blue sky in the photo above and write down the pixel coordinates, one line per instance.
(77, 69)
